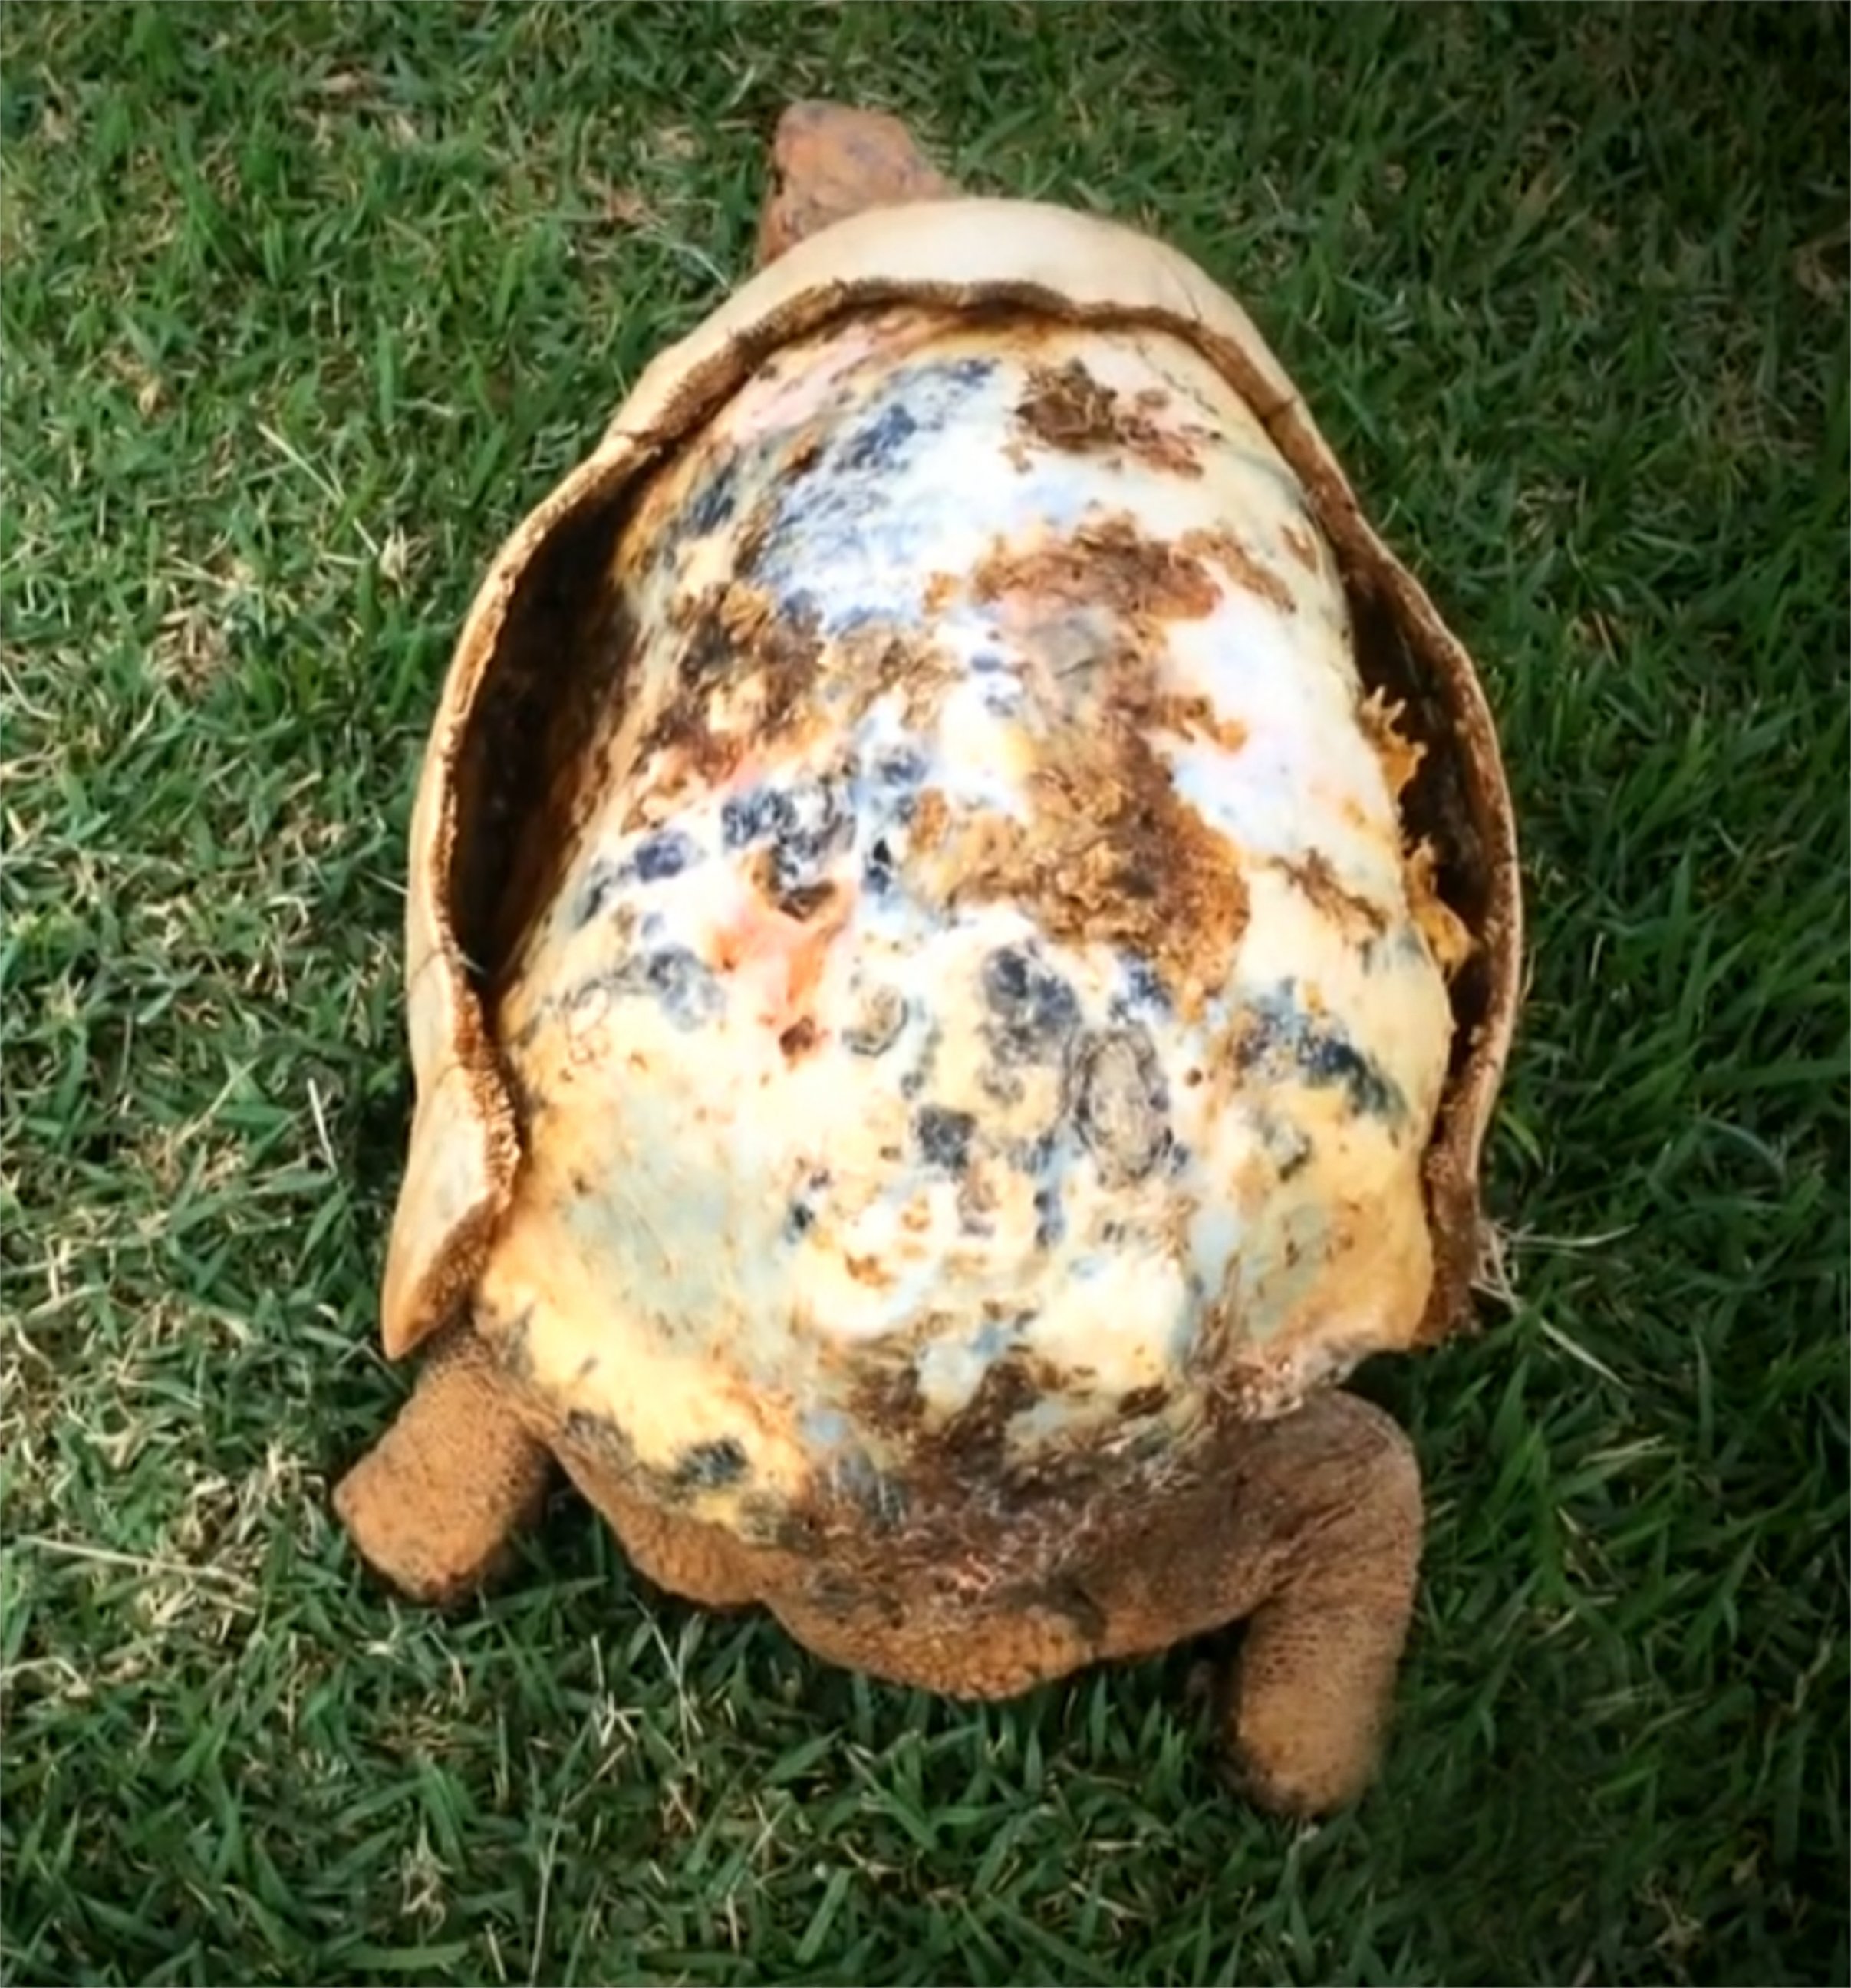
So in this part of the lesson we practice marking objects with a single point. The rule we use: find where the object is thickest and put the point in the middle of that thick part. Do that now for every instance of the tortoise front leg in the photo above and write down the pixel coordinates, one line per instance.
(434, 1505)
(829, 162)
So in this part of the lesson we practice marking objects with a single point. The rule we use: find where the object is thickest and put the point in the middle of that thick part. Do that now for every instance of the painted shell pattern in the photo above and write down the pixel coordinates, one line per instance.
(984, 994)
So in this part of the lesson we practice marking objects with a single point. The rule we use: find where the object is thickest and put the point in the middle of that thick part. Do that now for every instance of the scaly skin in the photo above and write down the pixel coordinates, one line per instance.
(1312, 1537)
(1309, 1530)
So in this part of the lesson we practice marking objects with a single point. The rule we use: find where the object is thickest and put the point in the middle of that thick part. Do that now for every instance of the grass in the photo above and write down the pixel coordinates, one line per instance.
(302, 308)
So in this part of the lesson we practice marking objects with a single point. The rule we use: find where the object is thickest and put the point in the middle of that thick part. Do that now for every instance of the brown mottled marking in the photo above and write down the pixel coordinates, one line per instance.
(754, 533)
(798, 1039)
(868, 1270)
(1195, 717)
(1399, 758)
(1067, 408)
(1302, 546)
(802, 901)
(930, 815)
(1445, 932)
(1114, 856)
(975, 1435)
(1143, 1400)
(1108, 562)
(890, 1402)
(1247, 571)
(737, 635)
(876, 659)
(1312, 873)
(764, 933)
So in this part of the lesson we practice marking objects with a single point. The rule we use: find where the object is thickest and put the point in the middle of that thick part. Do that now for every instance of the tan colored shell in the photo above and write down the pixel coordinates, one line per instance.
(465, 1148)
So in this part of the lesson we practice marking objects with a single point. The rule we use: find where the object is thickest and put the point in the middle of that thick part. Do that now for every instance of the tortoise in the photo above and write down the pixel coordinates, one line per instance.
(962, 938)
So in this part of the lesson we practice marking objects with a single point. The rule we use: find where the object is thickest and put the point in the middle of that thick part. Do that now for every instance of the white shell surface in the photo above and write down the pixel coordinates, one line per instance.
(982, 981)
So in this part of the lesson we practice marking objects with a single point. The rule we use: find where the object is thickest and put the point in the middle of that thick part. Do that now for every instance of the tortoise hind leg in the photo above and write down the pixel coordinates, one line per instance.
(829, 162)
(1310, 1538)
(434, 1506)
(1304, 1702)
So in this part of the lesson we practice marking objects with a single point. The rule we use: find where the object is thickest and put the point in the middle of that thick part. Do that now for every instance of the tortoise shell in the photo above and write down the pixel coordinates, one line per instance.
(963, 908)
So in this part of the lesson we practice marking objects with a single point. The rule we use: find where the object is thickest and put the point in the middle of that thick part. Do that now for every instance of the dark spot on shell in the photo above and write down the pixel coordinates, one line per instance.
(599, 1434)
(799, 1038)
(1035, 1010)
(1005, 1086)
(749, 817)
(882, 1017)
(877, 443)
(799, 1217)
(976, 1206)
(799, 605)
(601, 885)
(581, 1183)
(1121, 1104)
(974, 1439)
(890, 1399)
(1278, 1026)
(689, 990)
(710, 1467)
(713, 504)
(816, 821)
(882, 1498)
(1287, 1145)
(913, 1083)
(1050, 1215)
(944, 1135)
(686, 989)
(805, 901)
(805, 824)
(1143, 992)
(1143, 1402)
(665, 853)
(586, 1367)
(877, 872)
(960, 374)
(899, 771)
(706, 656)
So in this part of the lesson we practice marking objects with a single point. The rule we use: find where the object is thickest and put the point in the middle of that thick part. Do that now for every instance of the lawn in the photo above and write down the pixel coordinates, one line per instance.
(302, 307)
